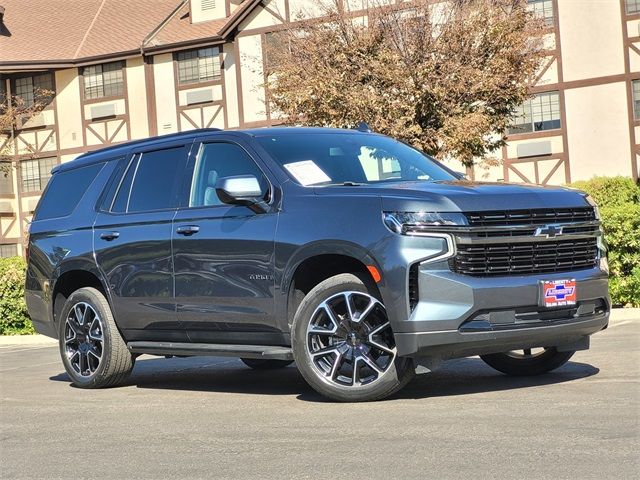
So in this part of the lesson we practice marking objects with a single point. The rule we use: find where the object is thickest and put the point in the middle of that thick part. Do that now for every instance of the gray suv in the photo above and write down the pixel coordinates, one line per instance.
(350, 253)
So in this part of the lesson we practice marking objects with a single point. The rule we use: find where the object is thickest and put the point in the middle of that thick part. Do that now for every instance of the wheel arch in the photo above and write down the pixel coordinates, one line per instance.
(321, 260)
(71, 276)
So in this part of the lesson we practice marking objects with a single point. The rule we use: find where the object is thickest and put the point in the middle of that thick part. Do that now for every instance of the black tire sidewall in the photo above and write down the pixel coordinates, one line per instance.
(93, 298)
(396, 376)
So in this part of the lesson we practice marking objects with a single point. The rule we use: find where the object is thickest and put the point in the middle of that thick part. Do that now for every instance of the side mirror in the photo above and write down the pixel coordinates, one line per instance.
(241, 190)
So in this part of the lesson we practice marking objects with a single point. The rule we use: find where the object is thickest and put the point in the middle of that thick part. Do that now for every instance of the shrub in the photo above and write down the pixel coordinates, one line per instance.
(619, 202)
(14, 319)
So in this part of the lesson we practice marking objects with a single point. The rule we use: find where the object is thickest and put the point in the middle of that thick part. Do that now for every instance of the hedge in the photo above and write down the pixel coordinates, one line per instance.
(14, 319)
(619, 201)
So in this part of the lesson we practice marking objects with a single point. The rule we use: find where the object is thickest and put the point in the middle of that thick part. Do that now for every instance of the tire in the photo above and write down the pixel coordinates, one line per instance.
(335, 357)
(513, 363)
(92, 350)
(265, 363)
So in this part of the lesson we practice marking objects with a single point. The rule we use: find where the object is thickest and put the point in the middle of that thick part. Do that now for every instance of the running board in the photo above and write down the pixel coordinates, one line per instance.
(211, 349)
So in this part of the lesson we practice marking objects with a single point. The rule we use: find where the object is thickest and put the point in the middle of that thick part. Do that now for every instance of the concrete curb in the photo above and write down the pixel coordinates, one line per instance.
(617, 315)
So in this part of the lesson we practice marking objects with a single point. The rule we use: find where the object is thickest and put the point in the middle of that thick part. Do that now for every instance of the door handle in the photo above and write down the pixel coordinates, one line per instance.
(108, 236)
(187, 230)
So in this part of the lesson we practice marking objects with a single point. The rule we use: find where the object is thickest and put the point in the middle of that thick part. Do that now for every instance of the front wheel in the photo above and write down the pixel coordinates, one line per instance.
(343, 344)
(528, 361)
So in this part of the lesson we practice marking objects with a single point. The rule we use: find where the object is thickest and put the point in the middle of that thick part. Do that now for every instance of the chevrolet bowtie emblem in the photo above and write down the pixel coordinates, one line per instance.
(548, 231)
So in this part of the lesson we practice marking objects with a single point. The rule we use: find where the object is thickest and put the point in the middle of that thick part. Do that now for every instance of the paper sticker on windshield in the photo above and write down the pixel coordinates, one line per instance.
(307, 172)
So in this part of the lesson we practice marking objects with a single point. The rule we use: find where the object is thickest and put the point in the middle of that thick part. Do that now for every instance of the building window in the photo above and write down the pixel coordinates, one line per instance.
(8, 250)
(36, 173)
(6, 178)
(197, 66)
(104, 80)
(543, 9)
(542, 112)
(636, 99)
(632, 6)
(30, 89)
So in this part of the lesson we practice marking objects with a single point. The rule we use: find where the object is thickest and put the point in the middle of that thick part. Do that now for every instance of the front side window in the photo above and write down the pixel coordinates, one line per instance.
(543, 9)
(36, 173)
(542, 112)
(636, 99)
(335, 159)
(196, 66)
(33, 88)
(106, 80)
(151, 181)
(216, 161)
(632, 6)
(8, 250)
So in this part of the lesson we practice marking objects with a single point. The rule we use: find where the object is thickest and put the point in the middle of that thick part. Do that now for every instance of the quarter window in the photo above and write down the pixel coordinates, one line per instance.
(542, 112)
(543, 9)
(65, 191)
(106, 80)
(216, 161)
(8, 250)
(32, 88)
(195, 66)
(36, 173)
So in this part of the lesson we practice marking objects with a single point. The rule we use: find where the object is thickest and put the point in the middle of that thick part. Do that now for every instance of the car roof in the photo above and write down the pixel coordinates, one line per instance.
(120, 150)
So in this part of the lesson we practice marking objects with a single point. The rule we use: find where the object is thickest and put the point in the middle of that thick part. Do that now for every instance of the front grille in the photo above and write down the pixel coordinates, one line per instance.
(542, 216)
(525, 258)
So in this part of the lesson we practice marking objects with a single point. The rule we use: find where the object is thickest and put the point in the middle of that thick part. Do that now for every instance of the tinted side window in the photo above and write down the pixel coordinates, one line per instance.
(153, 179)
(65, 191)
(219, 160)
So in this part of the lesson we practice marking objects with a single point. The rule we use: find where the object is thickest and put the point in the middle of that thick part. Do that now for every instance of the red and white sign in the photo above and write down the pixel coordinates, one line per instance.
(558, 293)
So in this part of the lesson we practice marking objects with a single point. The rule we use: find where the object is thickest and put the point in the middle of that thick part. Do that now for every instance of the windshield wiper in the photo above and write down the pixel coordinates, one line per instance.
(344, 184)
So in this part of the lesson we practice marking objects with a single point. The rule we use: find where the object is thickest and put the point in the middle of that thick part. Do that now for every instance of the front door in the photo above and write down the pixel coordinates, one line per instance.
(132, 241)
(224, 254)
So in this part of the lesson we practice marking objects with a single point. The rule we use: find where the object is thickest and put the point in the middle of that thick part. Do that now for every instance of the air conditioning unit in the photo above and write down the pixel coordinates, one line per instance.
(199, 96)
(103, 111)
(534, 149)
(27, 121)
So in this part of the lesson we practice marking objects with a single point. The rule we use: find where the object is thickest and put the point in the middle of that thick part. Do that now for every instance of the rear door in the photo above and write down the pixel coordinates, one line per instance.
(132, 242)
(224, 254)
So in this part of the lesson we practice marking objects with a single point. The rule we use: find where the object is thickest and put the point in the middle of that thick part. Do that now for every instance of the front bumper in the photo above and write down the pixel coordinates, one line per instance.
(459, 315)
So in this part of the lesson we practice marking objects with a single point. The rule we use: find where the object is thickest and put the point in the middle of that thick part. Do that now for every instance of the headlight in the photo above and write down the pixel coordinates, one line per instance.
(410, 223)
(593, 203)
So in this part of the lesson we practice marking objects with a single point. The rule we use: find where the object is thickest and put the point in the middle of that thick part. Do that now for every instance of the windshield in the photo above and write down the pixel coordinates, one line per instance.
(330, 159)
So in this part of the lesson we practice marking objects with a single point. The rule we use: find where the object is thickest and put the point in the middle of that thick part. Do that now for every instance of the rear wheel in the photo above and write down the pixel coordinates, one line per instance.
(92, 350)
(265, 363)
(528, 361)
(343, 344)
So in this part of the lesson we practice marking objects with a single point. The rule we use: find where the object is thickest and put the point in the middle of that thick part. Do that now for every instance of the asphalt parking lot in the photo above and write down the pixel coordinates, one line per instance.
(215, 418)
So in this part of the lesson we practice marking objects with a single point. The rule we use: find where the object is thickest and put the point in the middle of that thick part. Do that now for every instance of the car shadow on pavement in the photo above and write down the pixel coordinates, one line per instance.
(207, 374)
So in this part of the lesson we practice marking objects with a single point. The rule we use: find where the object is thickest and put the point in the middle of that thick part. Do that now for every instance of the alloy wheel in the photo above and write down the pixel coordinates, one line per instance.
(527, 353)
(83, 339)
(349, 339)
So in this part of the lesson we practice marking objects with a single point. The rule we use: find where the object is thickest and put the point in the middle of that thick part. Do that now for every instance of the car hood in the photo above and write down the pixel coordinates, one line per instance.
(463, 195)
